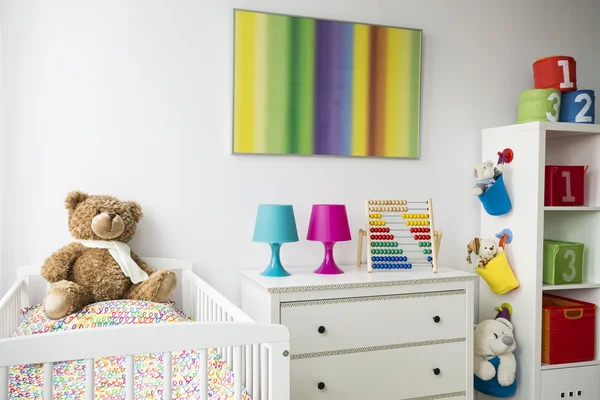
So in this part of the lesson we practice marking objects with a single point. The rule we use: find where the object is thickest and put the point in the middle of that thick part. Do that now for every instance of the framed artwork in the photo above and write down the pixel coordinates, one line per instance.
(320, 87)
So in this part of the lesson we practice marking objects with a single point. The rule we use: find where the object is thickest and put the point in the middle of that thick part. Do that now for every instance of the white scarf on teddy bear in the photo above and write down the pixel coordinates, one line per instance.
(122, 255)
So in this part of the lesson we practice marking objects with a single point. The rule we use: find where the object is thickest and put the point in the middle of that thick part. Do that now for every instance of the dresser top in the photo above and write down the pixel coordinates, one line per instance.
(303, 279)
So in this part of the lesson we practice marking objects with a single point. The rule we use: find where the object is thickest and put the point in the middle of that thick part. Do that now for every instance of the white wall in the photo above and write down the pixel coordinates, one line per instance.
(134, 99)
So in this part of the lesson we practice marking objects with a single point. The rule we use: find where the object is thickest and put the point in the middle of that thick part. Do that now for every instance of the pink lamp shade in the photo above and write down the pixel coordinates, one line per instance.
(329, 224)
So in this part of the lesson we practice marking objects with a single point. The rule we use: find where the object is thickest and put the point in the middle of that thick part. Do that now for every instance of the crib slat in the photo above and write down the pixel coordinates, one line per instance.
(2, 323)
(89, 379)
(237, 372)
(222, 350)
(203, 375)
(129, 382)
(249, 381)
(197, 304)
(264, 372)
(48, 383)
(167, 372)
(256, 371)
(3, 382)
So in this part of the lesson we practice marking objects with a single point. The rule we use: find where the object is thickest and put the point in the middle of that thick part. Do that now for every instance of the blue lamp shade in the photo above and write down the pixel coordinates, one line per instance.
(275, 224)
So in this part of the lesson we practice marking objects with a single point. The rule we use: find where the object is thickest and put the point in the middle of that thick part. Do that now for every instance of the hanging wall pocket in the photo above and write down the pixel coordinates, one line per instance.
(497, 273)
(495, 199)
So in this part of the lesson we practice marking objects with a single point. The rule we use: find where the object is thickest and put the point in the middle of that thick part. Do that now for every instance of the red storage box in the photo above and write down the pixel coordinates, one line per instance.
(564, 185)
(568, 330)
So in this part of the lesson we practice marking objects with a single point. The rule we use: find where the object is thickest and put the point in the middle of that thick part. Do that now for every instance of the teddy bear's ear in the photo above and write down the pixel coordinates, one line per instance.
(136, 210)
(75, 198)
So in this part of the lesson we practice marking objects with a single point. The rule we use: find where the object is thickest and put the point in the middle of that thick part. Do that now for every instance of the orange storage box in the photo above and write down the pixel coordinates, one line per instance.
(568, 330)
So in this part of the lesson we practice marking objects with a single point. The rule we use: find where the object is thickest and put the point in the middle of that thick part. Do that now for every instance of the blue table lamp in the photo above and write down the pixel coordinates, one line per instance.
(275, 224)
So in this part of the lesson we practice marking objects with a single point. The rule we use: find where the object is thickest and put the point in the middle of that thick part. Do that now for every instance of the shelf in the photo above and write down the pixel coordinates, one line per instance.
(575, 286)
(573, 208)
(554, 130)
(571, 365)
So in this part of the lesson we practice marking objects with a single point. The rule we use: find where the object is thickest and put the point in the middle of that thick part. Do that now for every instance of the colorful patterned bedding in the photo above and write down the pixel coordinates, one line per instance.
(26, 381)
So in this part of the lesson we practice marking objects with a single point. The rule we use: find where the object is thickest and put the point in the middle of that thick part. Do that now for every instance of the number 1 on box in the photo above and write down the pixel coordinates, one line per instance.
(566, 76)
(568, 198)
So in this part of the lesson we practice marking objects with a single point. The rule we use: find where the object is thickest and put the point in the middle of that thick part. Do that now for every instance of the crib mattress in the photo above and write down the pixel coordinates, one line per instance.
(26, 381)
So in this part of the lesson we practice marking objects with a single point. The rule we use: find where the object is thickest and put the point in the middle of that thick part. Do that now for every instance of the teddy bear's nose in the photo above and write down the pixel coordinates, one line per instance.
(507, 340)
(112, 216)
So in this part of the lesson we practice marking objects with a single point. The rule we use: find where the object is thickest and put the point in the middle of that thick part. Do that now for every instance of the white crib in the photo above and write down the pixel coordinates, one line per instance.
(258, 353)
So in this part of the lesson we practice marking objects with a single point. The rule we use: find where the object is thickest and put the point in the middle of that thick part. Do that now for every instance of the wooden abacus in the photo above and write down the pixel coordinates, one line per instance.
(400, 234)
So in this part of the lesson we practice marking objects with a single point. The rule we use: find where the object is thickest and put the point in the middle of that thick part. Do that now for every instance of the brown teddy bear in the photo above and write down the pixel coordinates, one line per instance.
(99, 265)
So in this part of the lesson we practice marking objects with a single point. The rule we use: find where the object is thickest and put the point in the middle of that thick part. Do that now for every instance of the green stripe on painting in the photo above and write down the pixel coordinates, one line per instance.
(415, 87)
(301, 91)
(277, 121)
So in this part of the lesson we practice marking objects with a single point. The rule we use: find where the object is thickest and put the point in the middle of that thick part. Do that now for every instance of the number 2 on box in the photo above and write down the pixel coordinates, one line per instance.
(572, 271)
(568, 198)
(566, 76)
(581, 117)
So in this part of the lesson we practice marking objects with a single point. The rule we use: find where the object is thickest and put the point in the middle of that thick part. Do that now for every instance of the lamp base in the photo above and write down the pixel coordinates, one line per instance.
(275, 269)
(328, 266)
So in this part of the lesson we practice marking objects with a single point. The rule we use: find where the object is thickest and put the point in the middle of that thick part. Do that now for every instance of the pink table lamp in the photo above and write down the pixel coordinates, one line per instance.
(328, 224)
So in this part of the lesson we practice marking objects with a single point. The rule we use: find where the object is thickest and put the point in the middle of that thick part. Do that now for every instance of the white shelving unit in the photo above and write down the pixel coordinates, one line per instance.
(535, 145)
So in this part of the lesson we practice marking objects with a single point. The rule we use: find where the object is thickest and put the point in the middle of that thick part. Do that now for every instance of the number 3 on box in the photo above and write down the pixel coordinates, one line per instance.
(556, 106)
(570, 254)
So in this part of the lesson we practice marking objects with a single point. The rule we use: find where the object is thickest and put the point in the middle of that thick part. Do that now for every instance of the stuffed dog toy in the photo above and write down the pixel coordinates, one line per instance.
(486, 249)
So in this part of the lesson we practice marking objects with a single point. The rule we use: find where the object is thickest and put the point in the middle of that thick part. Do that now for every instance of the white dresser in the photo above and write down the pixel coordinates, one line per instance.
(389, 334)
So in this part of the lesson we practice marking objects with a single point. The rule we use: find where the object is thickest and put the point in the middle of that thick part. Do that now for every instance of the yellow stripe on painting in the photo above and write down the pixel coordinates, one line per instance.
(245, 42)
(260, 97)
(397, 110)
(360, 95)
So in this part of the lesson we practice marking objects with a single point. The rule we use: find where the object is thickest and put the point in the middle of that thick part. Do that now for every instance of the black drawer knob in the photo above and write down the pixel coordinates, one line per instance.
(436, 371)
(321, 385)
(321, 329)
(436, 319)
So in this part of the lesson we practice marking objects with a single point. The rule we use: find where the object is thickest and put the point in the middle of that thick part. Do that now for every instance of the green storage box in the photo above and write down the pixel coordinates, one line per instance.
(563, 262)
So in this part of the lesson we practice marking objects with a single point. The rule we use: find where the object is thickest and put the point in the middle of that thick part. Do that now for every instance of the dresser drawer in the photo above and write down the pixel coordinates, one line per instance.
(404, 373)
(336, 324)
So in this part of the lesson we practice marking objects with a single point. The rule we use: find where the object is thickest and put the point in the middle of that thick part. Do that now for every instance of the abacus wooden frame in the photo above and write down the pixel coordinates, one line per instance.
(436, 236)
(257, 353)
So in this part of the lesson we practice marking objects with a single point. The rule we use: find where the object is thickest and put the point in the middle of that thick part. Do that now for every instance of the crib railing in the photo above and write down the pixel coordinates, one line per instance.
(10, 308)
(208, 305)
(129, 341)
(258, 354)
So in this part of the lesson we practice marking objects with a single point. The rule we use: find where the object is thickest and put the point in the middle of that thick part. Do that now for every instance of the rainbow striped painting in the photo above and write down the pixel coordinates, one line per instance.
(320, 87)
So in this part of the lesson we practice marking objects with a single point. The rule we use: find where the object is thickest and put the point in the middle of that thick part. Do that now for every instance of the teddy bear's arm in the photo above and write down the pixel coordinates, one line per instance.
(483, 368)
(56, 267)
(507, 369)
(147, 269)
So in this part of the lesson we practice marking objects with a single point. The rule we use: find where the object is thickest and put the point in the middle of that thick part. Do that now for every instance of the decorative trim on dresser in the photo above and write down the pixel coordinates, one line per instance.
(441, 396)
(406, 335)
(376, 348)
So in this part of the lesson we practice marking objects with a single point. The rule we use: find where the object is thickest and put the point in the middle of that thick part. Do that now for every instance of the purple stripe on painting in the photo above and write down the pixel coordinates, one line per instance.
(322, 101)
(329, 81)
